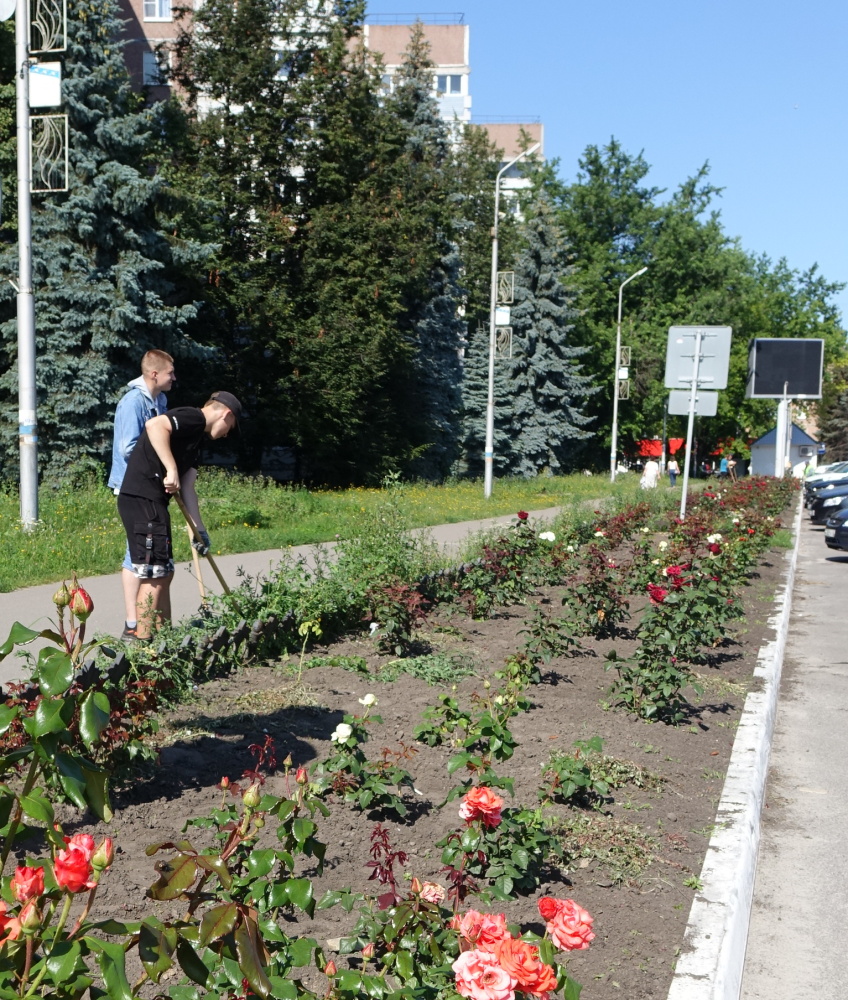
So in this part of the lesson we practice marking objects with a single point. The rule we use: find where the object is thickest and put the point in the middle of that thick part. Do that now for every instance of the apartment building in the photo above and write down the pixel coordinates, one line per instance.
(150, 26)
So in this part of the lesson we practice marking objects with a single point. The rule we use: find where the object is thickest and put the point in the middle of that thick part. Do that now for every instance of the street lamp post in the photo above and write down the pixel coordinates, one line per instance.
(489, 454)
(27, 424)
(614, 445)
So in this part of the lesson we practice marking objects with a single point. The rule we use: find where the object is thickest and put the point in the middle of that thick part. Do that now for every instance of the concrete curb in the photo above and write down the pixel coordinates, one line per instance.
(716, 936)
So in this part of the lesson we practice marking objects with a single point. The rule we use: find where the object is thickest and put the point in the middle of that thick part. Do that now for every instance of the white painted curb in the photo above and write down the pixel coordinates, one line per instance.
(711, 965)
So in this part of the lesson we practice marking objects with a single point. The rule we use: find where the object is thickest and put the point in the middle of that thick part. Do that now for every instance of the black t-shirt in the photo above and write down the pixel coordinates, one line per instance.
(145, 471)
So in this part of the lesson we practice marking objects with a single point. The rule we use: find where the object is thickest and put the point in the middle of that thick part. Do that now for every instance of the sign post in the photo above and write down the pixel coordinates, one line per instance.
(697, 357)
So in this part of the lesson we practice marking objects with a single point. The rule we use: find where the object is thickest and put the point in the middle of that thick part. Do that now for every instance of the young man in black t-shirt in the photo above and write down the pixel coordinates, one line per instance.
(163, 462)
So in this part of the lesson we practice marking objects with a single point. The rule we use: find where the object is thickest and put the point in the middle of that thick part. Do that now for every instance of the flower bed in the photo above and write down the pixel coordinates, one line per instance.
(241, 902)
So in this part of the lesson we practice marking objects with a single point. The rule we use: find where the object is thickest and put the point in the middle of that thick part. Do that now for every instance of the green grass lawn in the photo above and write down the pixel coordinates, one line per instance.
(80, 531)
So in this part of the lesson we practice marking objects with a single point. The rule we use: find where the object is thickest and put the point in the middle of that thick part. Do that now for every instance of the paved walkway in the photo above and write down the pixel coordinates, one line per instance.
(797, 936)
(33, 606)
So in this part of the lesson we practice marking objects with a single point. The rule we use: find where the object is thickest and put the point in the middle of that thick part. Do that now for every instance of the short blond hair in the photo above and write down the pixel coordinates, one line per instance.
(155, 361)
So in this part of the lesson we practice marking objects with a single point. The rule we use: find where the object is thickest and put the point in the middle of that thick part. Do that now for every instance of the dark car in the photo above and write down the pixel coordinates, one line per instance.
(823, 486)
(827, 502)
(836, 530)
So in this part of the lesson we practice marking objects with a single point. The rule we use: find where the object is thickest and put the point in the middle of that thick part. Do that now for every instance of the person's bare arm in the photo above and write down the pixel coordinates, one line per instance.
(159, 433)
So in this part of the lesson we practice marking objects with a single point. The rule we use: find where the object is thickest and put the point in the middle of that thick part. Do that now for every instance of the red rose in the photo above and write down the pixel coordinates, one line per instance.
(27, 883)
(657, 595)
(81, 842)
(72, 869)
(523, 515)
(10, 927)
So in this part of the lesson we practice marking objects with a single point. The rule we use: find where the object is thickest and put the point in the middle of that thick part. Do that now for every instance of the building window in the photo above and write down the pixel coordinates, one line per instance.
(157, 10)
(449, 84)
(155, 69)
(387, 84)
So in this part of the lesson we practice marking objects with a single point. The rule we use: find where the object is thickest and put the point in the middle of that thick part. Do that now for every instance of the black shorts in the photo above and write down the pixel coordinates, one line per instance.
(148, 527)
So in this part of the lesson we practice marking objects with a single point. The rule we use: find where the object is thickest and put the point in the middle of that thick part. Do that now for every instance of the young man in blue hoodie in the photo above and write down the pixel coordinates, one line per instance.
(145, 398)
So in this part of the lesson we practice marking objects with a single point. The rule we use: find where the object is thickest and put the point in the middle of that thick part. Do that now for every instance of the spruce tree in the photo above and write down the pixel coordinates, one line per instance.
(109, 283)
(475, 396)
(549, 393)
(432, 323)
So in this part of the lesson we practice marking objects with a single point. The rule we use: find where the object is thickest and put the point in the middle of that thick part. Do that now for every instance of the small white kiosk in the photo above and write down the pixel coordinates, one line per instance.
(802, 449)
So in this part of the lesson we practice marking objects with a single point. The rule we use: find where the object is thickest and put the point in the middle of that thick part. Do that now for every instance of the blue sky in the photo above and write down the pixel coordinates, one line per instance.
(758, 89)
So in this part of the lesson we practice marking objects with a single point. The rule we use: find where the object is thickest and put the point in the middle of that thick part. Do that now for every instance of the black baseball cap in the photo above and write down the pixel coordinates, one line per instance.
(230, 401)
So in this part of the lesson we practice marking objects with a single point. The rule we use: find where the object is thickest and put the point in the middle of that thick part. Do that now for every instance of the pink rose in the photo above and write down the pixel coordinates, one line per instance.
(432, 892)
(481, 803)
(483, 930)
(570, 928)
(480, 977)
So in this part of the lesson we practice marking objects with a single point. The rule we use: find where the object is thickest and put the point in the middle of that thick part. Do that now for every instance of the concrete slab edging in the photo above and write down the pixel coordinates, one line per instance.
(711, 965)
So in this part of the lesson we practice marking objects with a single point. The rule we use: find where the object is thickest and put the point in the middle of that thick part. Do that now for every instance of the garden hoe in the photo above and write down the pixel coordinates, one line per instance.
(196, 534)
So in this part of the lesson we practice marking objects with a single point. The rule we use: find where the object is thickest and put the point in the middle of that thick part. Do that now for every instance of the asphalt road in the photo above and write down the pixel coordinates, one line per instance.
(797, 936)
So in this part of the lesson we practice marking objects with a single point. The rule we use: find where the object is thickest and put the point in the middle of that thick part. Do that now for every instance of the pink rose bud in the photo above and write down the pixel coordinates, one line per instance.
(30, 918)
(301, 776)
(81, 604)
(330, 968)
(416, 886)
(225, 783)
(368, 950)
(104, 855)
(62, 597)
(288, 761)
(251, 797)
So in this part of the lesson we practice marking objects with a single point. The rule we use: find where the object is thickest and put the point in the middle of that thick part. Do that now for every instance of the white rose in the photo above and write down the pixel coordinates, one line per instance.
(342, 732)
(645, 531)
(548, 536)
(374, 626)
(599, 534)
(712, 539)
(368, 700)
(655, 562)
(569, 548)
(662, 546)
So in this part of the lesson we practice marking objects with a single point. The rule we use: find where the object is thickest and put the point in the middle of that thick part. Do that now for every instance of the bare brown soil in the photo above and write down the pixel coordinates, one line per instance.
(640, 916)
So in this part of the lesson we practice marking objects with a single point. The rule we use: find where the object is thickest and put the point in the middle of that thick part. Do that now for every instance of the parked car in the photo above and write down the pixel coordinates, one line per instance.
(827, 472)
(836, 530)
(825, 503)
(813, 490)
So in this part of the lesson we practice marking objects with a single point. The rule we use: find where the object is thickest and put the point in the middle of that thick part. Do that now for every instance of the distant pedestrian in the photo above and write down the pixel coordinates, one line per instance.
(722, 468)
(650, 475)
(731, 468)
(145, 398)
(673, 471)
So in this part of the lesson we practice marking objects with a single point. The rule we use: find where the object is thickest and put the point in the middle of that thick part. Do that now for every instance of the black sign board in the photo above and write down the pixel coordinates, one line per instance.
(789, 366)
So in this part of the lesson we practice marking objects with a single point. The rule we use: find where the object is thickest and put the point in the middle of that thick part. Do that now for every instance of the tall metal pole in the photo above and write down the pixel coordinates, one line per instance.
(489, 453)
(27, 420)
(614, 444)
